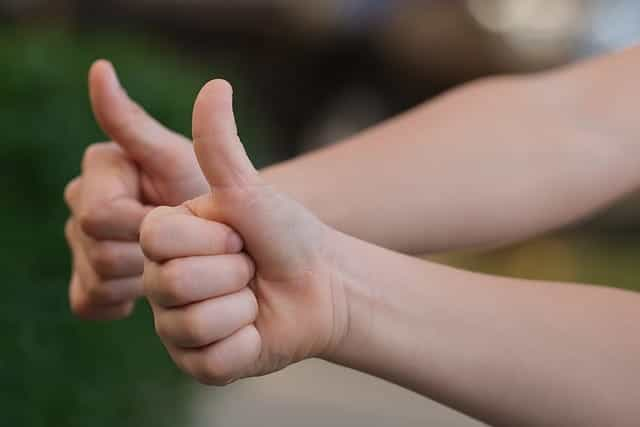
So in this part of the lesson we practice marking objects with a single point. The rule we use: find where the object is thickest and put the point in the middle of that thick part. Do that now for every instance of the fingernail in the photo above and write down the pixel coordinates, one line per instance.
(234, 243)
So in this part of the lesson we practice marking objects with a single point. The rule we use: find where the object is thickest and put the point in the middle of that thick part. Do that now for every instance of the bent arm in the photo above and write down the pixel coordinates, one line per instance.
(494, 162)
(506, 351)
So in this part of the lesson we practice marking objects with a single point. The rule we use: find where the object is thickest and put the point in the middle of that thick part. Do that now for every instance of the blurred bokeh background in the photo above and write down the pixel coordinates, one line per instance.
(307, 73)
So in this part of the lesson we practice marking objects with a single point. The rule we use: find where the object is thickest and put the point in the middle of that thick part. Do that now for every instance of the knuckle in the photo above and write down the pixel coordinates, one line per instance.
(101, 293)
(150, 237)
(247, 269)
(169, 287)
(94, 302)
(151, 232)
(194, 329)
(93, 153)
(161, 328)
(79, 307)
(93, 218)
(253, 304)
(70, 190)
(99, 153)
(214, 371)
(82, 310)
(179, 359)
(207, 378)
(104, 259)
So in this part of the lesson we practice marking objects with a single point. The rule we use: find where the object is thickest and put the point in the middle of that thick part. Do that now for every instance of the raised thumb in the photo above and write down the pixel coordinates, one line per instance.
(220, 153)
(141, 136)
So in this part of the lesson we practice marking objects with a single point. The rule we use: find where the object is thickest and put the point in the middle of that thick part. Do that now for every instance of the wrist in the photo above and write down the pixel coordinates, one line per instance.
(372, 285)
(350, 290)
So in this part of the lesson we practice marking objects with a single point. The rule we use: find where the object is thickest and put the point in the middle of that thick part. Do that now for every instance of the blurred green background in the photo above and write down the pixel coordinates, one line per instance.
(304, 76)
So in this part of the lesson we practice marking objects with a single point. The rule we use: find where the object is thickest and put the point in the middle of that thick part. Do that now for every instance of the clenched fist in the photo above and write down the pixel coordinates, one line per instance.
(240, 280)
(146, 165)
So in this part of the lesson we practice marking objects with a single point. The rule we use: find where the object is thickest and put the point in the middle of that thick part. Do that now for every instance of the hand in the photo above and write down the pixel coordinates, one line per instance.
(224, 314)
(146, 165)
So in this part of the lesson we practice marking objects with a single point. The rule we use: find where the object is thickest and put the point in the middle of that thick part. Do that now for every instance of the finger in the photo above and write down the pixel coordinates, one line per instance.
(107, 206)
(113, 260)
(183, 281)
(72, 191)
(126, 122)
(95, 289)
(223, 362)
(108, 259)
(113, 292)
(119, 219)
(80, 301)
(220, 153)
(83, 307)
(174, 233)
(205, 322)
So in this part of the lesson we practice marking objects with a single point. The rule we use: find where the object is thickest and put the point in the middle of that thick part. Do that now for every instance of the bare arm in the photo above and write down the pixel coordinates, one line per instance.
(244, 281)
(493, 162)
(508, 352)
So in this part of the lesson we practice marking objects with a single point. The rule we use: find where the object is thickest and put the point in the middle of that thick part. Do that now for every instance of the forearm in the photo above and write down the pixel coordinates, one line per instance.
(490, 163)
(509, 352)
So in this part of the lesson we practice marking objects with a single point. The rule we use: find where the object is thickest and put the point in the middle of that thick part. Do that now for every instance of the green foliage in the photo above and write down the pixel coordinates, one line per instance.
(54, 369)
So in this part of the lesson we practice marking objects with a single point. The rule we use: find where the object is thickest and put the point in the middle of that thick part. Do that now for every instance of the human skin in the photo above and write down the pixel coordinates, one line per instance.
(288, 287)
(121, 181)
(487, 164)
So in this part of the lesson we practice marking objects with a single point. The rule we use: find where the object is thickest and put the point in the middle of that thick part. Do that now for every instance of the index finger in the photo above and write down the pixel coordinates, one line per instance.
(108, 207)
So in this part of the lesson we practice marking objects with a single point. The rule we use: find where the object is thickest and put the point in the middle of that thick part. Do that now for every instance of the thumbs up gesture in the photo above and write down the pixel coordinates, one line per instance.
(239, 279)
(144, 165)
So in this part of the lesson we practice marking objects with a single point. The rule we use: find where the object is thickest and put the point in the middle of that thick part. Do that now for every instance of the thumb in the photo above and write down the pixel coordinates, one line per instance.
(220, 153)
(124, 121)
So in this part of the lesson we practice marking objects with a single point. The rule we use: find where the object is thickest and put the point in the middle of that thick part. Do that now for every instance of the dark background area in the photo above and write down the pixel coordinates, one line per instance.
(306, 74)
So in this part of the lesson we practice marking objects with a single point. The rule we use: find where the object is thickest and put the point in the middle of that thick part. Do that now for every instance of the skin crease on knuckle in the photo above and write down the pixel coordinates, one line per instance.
(83, 306)
(94, 218)
(94, 288)
(211, 369)
(99, 212)
(213, 376)
(196, 363)
(161, 229)
(195, 325)
(99, 291)
(169, 289)
(104, 259)
(218, 364)
(161, 329)
(246, 270)
(194, 329)
(175, 282)
(104, 292)
(89, 311)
